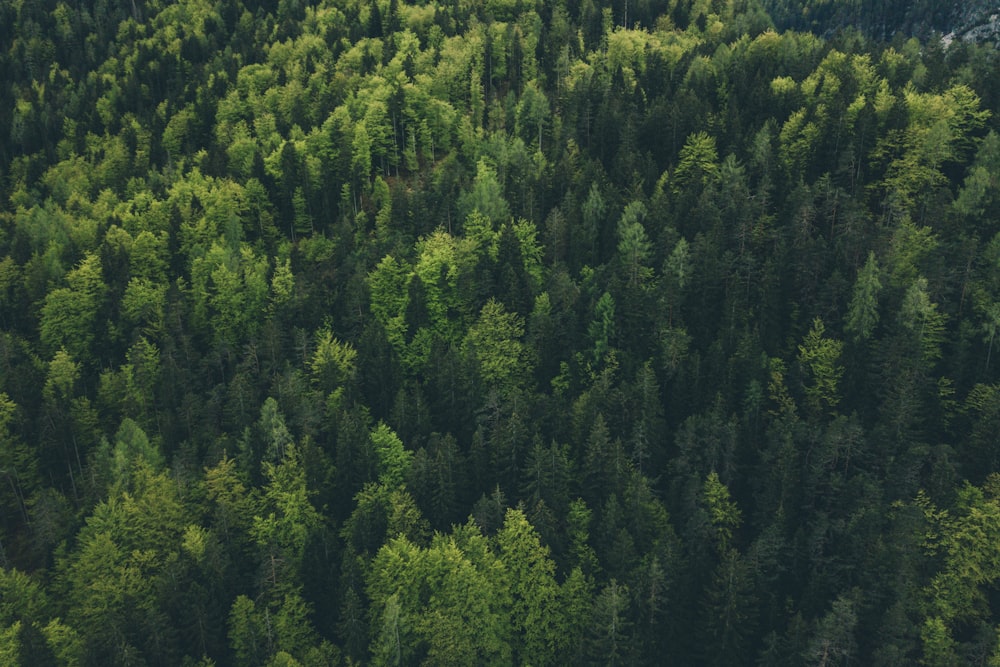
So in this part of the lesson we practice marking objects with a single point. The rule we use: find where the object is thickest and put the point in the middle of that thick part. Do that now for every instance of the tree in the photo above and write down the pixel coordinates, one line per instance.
(388, 284)
(977, 199)
(287, 521)
(862, 314)
(274, 431)
(609, 626)
(633, 244)
(532, 114)
(144, 304)
(938, 131)
(698, 162)
(69, 314)
(495, 343)
(920, 317)
(10, 644)
(513, 284)
(393, 459)
(232, 504)
(647, 429)
(120, 564)
(388, 647)
(18, 465)
(132, 450)
(581, 554)
(605, 463)
(438, 480)
(535, 613)
(601, 330)
(452, 601)
(247, 632)
(486, 197)
(333, 363)
(593, 212)
(819, 356)
(28, 634)
(955, 593)
(723, 514)
(547, 475)
(728, 611)
(231, 290)
(834, 641)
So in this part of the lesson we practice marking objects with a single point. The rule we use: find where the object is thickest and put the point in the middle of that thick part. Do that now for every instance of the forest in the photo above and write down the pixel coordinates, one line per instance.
(439, 332)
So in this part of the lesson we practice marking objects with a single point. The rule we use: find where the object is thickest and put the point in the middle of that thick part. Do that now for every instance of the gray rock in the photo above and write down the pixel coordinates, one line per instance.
(975, 21)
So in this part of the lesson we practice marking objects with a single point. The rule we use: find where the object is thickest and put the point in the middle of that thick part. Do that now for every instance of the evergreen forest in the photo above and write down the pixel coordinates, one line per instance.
(498, 332)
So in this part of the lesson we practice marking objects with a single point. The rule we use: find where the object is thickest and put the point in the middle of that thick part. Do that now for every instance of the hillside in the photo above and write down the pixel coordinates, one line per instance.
(346, 332)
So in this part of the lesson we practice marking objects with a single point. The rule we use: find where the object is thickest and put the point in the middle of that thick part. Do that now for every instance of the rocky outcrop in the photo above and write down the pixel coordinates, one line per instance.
(975, 22)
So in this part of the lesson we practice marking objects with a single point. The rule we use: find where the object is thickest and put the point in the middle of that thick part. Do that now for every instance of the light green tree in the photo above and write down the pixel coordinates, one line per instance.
(231, 290)
(486, 196)
(143, 305)
(495, 341)
(723, 514)
(819, 356)
(10, 644)
(333, 362)
(121, 564)
(393, 459)
(535, 612)
(69, 314)
(698, 162)
(452, 601)
(287, 520)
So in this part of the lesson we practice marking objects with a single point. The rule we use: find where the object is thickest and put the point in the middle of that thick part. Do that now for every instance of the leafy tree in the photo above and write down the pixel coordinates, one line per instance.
(495, 341)
(535, 595)
(820, 356)
(69, 315)
(287, 521)
(232, 505)
(697, 163)
(976, 199)
(486, 197)
(247, 633)
(122, 558)
(919, 315)
(451, 599)
(274, 430)
(232, 289)
(633, 244)
(393, 460)
(131, 450)
(333, 362)
(594, 209)
(10, 644)
(17, 461)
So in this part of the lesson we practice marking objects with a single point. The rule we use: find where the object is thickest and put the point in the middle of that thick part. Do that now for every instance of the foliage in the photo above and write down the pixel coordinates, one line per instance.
(693, 315)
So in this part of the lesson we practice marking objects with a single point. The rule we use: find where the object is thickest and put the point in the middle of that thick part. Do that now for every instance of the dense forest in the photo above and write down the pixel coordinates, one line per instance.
(501, 332)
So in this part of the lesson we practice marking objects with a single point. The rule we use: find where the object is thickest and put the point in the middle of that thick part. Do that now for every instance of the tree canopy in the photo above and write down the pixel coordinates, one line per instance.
(337, 332)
